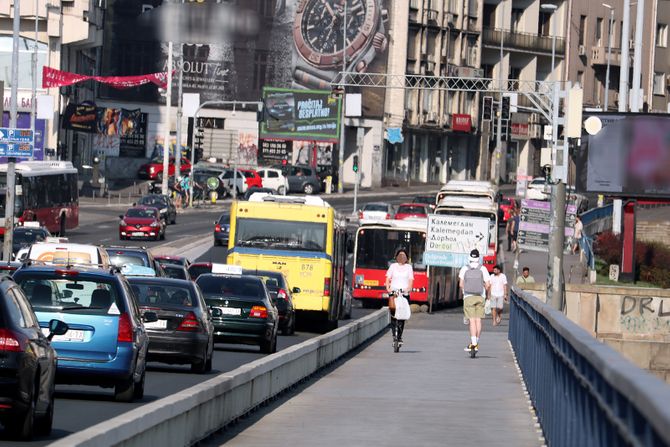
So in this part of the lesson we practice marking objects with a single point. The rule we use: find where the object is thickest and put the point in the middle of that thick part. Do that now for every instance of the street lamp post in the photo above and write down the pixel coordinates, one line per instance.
(609, 56)
(552, 8)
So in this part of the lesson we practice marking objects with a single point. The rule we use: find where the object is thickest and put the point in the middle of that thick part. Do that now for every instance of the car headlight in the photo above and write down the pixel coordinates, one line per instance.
(163, 210)
(155, 224)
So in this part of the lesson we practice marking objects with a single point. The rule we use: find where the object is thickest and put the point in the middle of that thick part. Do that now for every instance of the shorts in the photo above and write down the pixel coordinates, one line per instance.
(497, 302)
(473, 306)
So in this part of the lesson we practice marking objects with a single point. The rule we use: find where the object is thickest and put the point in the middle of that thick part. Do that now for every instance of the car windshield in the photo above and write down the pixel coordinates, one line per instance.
(174, 271)
(224, 219)
(152, 201)
(248, 174)
(376, 207)
(231, 286)
(141, 213)
(430, 200)
(280, 234)
(170, 261)
(28, 236)
(122, 259)
(411, 210)
(155, 294)
(376, 247)
(196, 270)
(91, 296)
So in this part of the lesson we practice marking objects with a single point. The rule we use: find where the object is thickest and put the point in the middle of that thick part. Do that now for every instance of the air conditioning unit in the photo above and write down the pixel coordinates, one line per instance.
(431, 117)
(432, 16)
(448, 20)
(582, 50)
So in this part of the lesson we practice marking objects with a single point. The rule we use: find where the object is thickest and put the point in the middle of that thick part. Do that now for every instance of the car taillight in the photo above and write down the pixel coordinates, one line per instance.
(125, 329)
(282, 294)
(151, 169)
(189, 323)
(9, 342)
(217, 228)
(258, 312)
(66, 273)
(360, 215)
(326, 286)
(388, 216)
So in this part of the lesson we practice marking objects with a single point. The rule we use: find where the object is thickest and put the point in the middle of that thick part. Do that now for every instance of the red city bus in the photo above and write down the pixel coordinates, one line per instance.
(46, 192)
(375, 245)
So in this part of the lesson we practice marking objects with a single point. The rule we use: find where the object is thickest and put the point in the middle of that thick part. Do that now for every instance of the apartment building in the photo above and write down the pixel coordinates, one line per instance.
(439, 127)
(69, 37)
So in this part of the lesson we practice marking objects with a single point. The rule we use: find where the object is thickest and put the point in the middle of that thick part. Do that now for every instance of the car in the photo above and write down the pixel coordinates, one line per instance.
(537, 189)
(505, 206)
(183, 333)
(164, 260)
(274, 179)
(199, 268)
(281, 295)
(28, 366)
(27, 235)
(234, 181)
(164, 204)
(7, 268)
(426, 199)
(222, 230)
(119, 256)
(411, 210)
(176, 271)
(254, 190)
(323, 171)
(252, 178)
(210, 179)
(301, 178)
(376, 211)
(153, 170)
(241, 307)
(141, 222)
(106, 344)
(64, 253)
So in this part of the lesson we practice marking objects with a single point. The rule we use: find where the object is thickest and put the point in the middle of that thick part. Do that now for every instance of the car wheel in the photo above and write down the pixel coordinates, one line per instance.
(269, 346)
(22, 425)
(124, 391)
(63, 225)
(173, 220)
(208, 363)
(44, 424)
(281, 191)
(308, 188)
(138, 392)
(199, 367)
(163, 236)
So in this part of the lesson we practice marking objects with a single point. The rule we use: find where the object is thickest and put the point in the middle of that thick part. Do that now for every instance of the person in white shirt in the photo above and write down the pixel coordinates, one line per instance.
(499, 293)
(474, 282)
(399, 276)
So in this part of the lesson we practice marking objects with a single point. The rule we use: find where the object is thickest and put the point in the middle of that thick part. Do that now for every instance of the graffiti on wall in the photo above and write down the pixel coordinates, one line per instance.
(642, 315)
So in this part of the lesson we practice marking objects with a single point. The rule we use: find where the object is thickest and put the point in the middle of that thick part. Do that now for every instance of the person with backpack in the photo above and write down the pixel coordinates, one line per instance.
(399, 276)
(475, 284)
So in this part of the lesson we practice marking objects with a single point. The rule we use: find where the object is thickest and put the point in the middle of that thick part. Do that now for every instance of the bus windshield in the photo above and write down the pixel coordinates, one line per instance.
(280, 234)
(376, 247)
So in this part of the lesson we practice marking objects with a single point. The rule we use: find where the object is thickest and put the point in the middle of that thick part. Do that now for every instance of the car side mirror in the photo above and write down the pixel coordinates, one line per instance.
(121, 216)
(57, 327)
(149, 317)
(24, 256)
(296, 290)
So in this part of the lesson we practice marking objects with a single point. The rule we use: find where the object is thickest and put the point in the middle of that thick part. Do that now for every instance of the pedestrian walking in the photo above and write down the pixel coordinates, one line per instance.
(499, 294)
(578, 236)
(515, 229)
(509, 229)
(475, 284)
(525, 277)
(399, 277)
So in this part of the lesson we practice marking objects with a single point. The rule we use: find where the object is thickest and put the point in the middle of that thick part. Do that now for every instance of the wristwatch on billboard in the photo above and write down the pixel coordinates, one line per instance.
(317, 38)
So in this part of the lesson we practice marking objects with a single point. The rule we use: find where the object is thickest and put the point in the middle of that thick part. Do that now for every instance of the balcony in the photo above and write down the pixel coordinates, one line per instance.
(533, 43)
(430, 17)
(599, 56)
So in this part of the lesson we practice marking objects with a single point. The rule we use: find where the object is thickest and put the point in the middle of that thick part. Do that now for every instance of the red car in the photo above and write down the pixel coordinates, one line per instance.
(141, 221)
(154, 169)
(252, 179)
(505, 207)
(411, 210)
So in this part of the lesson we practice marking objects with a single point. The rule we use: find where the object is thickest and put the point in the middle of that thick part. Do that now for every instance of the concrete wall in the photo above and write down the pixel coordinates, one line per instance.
(634, 321)
(194, 413)
(653, 231)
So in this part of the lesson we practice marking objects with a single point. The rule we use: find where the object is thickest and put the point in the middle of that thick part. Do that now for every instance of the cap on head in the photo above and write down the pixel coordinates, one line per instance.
(474, 256)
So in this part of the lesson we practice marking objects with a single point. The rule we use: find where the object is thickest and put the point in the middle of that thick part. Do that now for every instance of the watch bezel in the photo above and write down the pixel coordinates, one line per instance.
(334, 60)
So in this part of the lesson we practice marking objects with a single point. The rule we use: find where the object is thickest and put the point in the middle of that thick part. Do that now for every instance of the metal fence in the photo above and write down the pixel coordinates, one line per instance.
(584, 392)
(523, 41)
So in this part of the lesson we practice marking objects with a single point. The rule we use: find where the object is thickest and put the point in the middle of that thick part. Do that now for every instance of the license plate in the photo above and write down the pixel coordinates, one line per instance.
(138, 233)
(370, 282)
(160, 324)
(70, 335)
(230, 311)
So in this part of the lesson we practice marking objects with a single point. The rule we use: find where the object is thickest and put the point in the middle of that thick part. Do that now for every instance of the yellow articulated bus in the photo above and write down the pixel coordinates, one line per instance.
(304, 238)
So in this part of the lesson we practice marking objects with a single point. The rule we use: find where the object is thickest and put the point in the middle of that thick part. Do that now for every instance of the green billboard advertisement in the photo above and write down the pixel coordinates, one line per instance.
(312, 115)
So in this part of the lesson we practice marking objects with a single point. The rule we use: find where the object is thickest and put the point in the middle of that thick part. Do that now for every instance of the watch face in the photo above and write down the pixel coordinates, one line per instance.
(319, 29)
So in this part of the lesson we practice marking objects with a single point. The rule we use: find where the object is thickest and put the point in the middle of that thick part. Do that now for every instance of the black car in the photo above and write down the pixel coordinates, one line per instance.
(222, 230)
(281, 295)
(183, 333)
(163, 204)
(26, 236)
(210, 179)
(28, 365)
(175, 271)
(119, 256)
(242, 310)
(301, 178)
(426, 199)
(323, 171)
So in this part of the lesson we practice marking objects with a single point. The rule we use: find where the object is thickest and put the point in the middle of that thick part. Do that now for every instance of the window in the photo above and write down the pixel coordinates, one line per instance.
(599, 31)
(580, 78)
(272, 174)
(25, 61)
(517, 15)
(582, 30)
(544, 22)
(659, 83)
(661, 35)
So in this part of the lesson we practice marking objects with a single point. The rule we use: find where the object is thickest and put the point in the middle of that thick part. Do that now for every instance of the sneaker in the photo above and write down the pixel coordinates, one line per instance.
(476, 347)
(466, 320)
(469, 347)
(400, 342)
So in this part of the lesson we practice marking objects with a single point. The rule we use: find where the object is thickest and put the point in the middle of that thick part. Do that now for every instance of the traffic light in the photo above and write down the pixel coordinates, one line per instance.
(198, 155)
(355, 165)
(198, 140)
(504, 130)
(487, 109)
(505, 108)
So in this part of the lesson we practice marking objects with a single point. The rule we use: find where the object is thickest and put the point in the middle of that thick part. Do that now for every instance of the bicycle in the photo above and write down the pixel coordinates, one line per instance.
(397, 325)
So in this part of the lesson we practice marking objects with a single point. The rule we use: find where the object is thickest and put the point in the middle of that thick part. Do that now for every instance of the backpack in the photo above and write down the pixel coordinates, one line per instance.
(473, 281)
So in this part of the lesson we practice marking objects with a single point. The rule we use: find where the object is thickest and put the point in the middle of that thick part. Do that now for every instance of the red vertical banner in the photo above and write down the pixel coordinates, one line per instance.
(628, 242)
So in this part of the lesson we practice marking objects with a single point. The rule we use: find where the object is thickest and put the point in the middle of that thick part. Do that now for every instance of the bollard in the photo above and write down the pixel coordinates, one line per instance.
(119, 198)
(134, 187)
(213, 195)
(93, 191)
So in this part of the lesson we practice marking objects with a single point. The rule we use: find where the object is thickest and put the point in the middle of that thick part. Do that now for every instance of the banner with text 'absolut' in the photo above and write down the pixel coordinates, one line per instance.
(451, 238)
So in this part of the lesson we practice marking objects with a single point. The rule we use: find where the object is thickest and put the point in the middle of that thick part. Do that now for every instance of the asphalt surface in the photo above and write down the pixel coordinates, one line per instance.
(79, 407)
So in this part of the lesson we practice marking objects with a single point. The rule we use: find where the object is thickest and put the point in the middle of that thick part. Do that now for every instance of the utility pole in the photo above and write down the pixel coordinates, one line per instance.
(11, 161)
(166, 140)
(340, 170)
(555, 282)
(33, 98)
(609, 55)
(623, 69)
(360, 134)
(636, 101)
(498, 150)
(177, 157)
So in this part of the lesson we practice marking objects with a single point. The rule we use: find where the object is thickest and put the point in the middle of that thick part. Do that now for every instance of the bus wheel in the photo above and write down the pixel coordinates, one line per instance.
(63, 221)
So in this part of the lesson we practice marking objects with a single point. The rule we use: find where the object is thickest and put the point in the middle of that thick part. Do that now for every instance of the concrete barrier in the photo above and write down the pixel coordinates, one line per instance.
(194, 413)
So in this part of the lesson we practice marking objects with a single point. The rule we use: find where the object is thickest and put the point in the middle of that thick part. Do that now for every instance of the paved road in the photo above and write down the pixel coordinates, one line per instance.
(79, 407)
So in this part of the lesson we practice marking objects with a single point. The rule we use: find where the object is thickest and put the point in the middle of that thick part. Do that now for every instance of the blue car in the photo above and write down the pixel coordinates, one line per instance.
(106, 343)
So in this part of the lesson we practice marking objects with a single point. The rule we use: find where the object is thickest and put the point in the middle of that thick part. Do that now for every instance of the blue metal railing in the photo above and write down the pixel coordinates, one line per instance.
(584, 392)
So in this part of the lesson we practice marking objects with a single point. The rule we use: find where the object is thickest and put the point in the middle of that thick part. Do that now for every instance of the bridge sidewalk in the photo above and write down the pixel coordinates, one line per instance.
(429, 394)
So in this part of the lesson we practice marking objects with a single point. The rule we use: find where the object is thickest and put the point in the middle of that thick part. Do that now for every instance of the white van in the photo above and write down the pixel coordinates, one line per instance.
(65, 253)
(468, 188)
